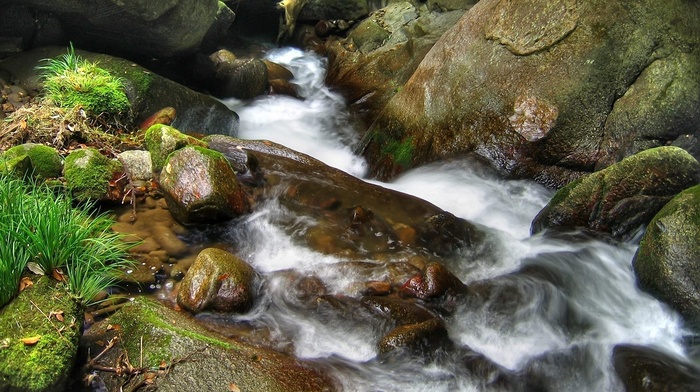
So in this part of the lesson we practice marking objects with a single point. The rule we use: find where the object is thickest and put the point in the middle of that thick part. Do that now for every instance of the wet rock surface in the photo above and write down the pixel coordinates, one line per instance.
(645, 369)
(624, 197)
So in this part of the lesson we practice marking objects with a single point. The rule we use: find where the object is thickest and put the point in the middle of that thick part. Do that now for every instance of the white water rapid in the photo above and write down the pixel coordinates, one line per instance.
(565, 323)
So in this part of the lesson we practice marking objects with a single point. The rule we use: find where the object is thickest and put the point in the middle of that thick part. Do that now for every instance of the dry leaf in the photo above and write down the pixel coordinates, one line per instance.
(233, 387)
(58, 275)
(163, 365)
(58, 315)
(24, 283)
(35, 268)
(23, 124)
(113, 327)
(5, 343)
(30, 341)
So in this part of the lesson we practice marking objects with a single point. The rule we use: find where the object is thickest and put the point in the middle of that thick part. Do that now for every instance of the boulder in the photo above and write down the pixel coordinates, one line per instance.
(156, 28)
(88, 174)
(351, 216)
(201, 187)
(420, 338)
(37, 353)
(148, 93)
(238, 78)
(219, 281)
(195, 358)
(667, 261)
(381, 53)
(578, 87)
(45, 161)
(138, 164)
(622, 198)
(643, 369)
(315, 10)
(434, 281)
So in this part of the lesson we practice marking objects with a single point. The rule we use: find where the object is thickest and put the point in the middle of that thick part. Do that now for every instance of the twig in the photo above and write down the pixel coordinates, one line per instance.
(92, 363)
(49, 320)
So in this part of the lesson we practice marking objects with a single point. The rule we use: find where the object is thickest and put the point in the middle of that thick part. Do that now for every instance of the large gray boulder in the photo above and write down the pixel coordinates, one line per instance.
(146, 28)
(667, 262)
(577, 87)
(623, 197)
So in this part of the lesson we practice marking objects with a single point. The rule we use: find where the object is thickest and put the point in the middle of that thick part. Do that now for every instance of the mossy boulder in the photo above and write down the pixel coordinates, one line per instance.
(667, 263)
(45, 160)
(44, 312)
(200, 186)
(623, 197)
(219, 281)
(204, 361)
(161, 140)
(88, 174)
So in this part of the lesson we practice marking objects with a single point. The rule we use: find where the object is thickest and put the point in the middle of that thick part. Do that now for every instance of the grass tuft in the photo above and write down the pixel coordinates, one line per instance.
(42, 226)
(71, 81)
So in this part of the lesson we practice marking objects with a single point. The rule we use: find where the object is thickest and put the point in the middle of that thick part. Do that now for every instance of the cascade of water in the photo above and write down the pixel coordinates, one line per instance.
(552, 308)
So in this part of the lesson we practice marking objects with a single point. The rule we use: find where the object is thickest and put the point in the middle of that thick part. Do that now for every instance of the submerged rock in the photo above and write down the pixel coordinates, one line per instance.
(667, 261)
(624, 197)
(201, 187)
(218, 281)
(183, 355)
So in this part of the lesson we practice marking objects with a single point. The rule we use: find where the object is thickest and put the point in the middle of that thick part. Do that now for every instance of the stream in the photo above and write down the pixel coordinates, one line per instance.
(555, 305)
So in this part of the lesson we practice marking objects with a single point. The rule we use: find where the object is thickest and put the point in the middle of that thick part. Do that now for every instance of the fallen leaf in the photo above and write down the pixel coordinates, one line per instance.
(5, 343)
(233, 387)
(35, 268)
(163, 365)
(30, 341)
(58, 315)
(113, 327)
(23, 124)
(58, 275)
(24, 283)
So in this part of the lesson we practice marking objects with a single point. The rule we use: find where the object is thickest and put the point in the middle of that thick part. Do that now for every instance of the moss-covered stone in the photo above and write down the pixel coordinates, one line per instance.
(621, 198)
(88, 173)
(45, 160)
(157, 336)
(45, 310)
(19, 166)
(162, 140)
(667, 262)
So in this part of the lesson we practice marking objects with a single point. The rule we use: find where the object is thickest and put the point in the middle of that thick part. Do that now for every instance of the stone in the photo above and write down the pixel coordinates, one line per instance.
(218, 281)
(46, 364)
(45, 160)
(621, 198)
(162, 140)
(646, 369)
(200, 186)
(138, 164)
(434, 281)
(88, 174)
(158, 25)
(545, 90)
(666, 262)
(157, 335)
(421, 338)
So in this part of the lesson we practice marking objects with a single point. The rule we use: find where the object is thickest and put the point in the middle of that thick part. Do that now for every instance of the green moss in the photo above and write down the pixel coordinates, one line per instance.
(45, 365)
(71, 81)
(162, 140)
(45, 160)
(162, 339)
(88, 174)
(400, 151)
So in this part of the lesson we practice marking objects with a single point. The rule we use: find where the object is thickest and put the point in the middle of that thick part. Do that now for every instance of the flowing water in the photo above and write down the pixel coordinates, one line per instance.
(555, 306)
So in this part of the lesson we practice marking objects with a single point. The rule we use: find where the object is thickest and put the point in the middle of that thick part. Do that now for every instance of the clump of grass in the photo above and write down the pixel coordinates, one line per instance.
(71, 81)
(54, 234)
